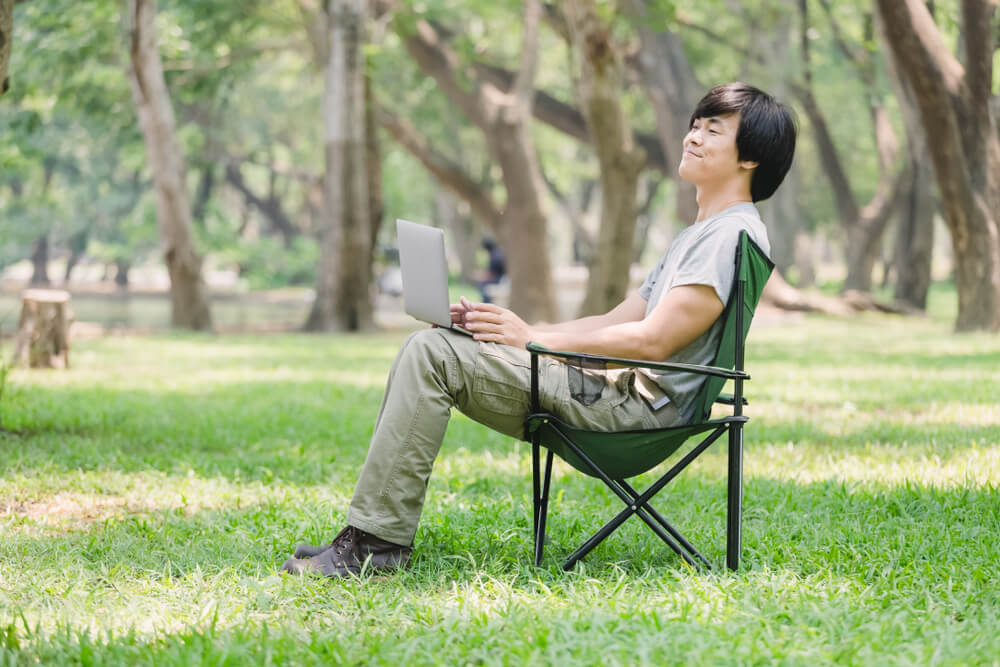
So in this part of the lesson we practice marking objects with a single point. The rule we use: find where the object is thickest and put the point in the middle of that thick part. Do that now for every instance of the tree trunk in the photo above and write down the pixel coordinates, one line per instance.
(805, 261)
(915, 235)
(122, 267)
(43, 330)
(600, 89)
(914, 246)
(188, 294)
(955, 110)
(464, 233)
(525, 225)
(781, 213)
(376, 204)
(6, 41)
(40, 262)
(343, 288)
(203, 195)
(77, 248)
(524, 237)
(669, 81)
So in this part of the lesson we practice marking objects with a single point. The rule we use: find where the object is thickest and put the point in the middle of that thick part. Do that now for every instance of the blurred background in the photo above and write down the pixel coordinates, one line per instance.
(237, 166)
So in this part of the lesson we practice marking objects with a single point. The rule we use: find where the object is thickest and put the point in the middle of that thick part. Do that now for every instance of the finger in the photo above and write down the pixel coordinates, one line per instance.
(482, 316)
(487, 307)
(465, 303)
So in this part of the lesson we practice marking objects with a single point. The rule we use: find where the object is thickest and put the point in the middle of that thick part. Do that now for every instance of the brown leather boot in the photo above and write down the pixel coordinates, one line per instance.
(348, 553)
(304, 550)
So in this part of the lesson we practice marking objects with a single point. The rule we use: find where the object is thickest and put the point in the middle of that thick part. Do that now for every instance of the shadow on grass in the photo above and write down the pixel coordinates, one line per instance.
(824, 552)
(485, 524)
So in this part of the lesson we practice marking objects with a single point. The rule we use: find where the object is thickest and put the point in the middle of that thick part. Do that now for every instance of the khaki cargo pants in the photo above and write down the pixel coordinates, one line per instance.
(436, 369)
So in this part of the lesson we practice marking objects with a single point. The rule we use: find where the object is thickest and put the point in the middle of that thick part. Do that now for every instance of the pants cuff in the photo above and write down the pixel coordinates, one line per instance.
(403, 540)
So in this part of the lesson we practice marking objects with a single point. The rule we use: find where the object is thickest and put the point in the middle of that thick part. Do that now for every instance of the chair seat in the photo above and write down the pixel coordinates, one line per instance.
(620, 454)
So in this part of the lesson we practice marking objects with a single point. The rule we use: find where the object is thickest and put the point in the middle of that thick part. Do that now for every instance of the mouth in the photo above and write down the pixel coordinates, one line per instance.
(691, 153)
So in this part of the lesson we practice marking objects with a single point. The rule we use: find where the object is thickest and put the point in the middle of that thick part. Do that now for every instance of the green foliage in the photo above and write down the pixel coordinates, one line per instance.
(151, 493)
(267, 263)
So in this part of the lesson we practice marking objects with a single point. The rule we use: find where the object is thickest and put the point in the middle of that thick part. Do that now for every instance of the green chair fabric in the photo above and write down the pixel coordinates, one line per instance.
(614, 457)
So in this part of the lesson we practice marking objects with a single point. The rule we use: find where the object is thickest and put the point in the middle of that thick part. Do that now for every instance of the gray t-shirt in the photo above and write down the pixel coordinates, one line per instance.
(702, 254)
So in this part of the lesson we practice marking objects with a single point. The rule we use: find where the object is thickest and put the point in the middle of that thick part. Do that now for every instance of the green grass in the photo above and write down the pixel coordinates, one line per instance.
(148, 496)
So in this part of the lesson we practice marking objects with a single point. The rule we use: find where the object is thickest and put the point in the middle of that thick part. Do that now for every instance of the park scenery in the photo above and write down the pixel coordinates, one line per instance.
(200, 303)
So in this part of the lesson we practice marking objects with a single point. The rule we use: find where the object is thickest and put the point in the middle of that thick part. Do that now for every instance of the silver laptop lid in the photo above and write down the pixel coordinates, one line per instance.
(425, 272)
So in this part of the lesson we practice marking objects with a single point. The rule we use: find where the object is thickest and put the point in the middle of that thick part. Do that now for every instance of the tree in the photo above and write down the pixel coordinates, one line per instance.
(957, 109)
(864, 225)
(672, 87)
(503, 116)
(599, 87)
(188, 295)
(343, 281)
(6, 41)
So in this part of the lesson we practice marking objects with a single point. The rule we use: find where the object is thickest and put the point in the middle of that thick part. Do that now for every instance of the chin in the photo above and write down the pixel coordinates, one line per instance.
(684, 171)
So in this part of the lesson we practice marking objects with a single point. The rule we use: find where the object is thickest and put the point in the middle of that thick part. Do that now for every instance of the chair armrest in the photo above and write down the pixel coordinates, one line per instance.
(729, 399)
(535, 348)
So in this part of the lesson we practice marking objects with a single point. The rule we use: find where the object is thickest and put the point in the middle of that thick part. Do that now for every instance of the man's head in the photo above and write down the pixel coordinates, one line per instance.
(761, 128)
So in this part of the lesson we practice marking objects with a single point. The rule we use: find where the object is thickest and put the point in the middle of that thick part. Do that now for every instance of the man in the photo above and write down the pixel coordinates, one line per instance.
(496, 268)
(737, 151)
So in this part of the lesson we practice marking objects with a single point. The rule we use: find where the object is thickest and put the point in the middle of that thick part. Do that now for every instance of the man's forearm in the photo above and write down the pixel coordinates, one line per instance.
(682, 315)
(580, 325)
(633, 308)
(628, 340)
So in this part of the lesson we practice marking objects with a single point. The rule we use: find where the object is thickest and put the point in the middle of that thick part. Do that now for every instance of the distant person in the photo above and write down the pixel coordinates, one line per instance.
(738, 148)
(496, 268)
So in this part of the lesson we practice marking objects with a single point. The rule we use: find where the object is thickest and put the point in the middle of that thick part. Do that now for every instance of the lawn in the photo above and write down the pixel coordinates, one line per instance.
(148, 496)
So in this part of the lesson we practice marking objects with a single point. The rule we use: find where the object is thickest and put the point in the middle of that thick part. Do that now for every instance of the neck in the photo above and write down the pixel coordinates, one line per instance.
(712, 202)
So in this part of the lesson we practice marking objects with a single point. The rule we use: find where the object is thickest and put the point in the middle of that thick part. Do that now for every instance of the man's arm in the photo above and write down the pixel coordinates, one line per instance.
(631, 309)
(683, 314)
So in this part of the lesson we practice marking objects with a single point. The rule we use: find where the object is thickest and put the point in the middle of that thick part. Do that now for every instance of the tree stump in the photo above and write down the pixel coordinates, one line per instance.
(43, 330)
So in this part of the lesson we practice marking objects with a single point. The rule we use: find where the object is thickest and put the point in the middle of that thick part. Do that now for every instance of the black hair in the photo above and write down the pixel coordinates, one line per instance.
(766, 134)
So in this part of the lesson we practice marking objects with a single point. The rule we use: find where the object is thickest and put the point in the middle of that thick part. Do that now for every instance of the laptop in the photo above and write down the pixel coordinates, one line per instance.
(425, 274)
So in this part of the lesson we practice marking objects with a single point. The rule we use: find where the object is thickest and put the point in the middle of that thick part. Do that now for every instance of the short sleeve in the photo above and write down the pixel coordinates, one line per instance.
(646, 289)
(711, 258)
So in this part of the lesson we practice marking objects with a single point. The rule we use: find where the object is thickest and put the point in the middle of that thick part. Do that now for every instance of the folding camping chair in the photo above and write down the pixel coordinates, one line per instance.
(615, 456)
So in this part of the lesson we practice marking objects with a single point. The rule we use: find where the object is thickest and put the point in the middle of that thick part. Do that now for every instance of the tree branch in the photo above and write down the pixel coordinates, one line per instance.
(977, 26)
(314, 21)
(859, 61)
(524, 84)
(270, 207)
(568, 119)
(717, 37)
(449, 174)
(427, 48)
(935, 77)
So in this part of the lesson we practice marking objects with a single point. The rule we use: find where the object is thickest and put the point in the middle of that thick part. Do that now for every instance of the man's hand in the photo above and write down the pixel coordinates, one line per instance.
(491, 323)
(459, 311)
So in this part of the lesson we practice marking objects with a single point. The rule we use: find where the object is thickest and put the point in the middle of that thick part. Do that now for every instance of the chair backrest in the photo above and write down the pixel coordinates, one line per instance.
(753, 267)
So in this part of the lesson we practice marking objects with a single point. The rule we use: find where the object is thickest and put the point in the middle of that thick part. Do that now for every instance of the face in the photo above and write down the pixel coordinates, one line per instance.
(710, 155)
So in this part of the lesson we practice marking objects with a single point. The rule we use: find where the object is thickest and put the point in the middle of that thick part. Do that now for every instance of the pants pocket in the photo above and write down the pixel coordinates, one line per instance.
(627, 410)
(502, 382)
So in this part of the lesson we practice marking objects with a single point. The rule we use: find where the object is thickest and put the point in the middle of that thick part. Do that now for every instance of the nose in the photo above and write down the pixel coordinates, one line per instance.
(693, 136)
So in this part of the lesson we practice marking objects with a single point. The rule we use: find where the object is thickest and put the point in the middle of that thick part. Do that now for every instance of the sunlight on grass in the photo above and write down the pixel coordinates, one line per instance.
(149, 495)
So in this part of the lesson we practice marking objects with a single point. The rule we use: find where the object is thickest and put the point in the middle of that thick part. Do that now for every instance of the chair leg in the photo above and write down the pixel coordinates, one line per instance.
(639, 509)
(669, 528)
(734, 513)
(635, 504)
(542, 511)
(535, 486)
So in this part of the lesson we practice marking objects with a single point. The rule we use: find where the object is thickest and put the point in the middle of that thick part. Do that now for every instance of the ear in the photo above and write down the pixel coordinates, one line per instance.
(749, 165)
